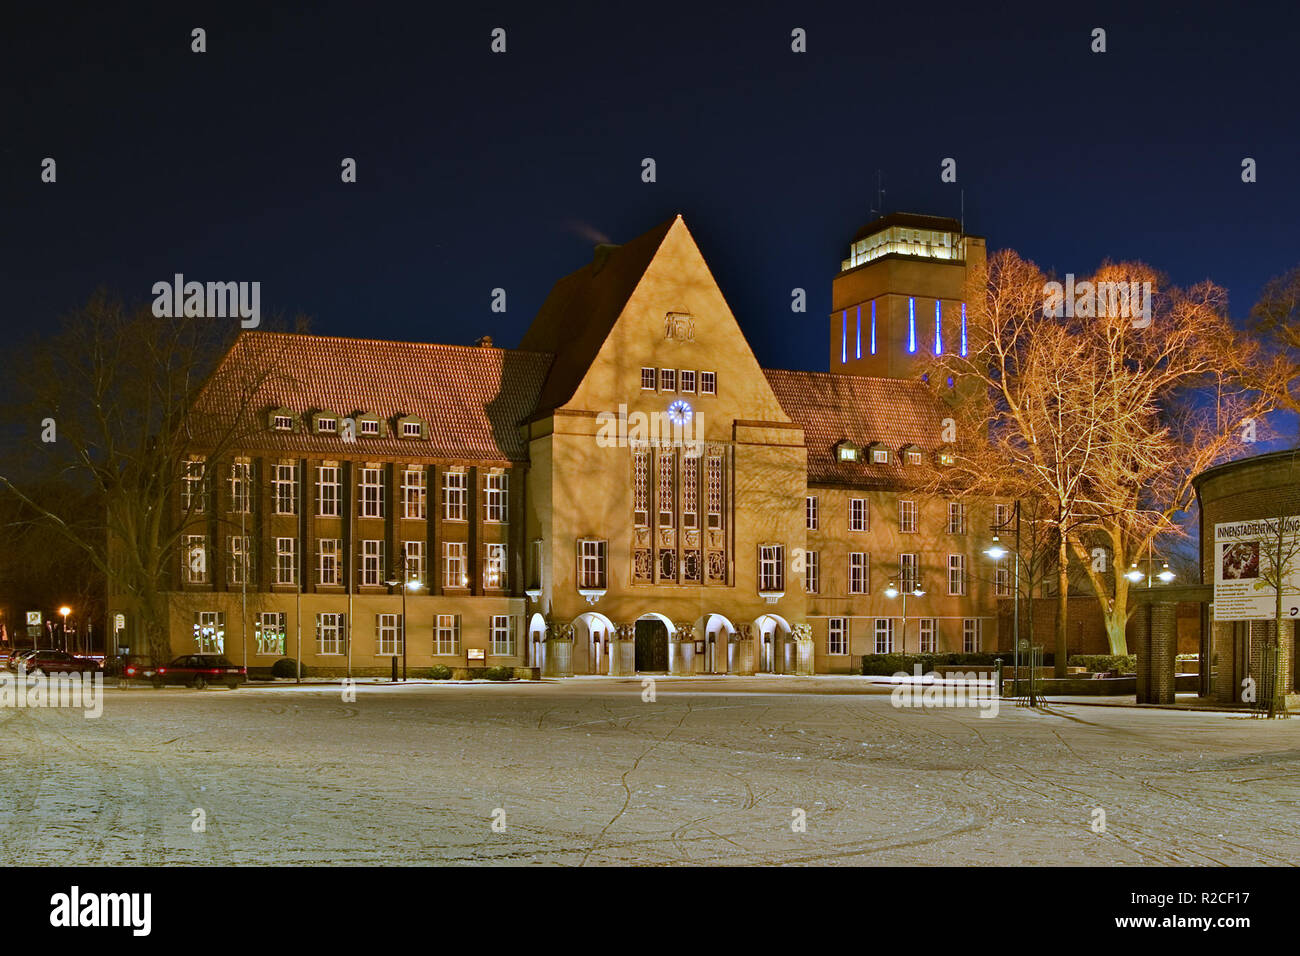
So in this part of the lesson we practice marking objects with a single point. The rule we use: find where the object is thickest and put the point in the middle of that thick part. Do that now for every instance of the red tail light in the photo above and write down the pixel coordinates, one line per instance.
(162, 670)
(130, 671)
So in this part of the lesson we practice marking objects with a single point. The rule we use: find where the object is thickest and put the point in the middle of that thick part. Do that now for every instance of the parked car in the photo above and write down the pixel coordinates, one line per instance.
(59, 662)
(19, 658)
(198, 671)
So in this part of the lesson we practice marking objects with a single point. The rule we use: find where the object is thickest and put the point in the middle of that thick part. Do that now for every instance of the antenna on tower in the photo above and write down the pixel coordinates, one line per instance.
(879, 208)
(963, 212)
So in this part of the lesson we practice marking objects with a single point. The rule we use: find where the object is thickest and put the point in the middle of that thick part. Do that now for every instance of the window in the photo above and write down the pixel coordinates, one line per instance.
(688, 381)
(909, 572)
(495, 494)
(690, 492)
(240, 558)
(857, 572)
(368, 426)
(388, 632)
(641, 487)
(453, 565)
(413, 493)
(413, 569)
(455, 496)
(811, 572)
(494, 568)
(665, 489)
(1002, 580)
(327, 552)
(846, 451)
(647, 379)
(286, 560)
(1001, 515)
(372, 562)
(329, 633)
(284, 490)
(913, 457)
(194, 486)
(194, 559)
(668, 380)
(372, 493)
(270, 633)
(957, 574)
(884, 635)
(282, 423)
(708, 383)
(210, 632)
(327, 426)
(503, 637)
(412, 429)
(880, 456)
(906, 516)
(327, 491)
(771, 567)
(929, 642)
(837, 635)
(591, 564)
(971, 633)
(956, 517)
(241, 476)
(810, 512)
(713, 490)
(857, 514)
(446, 636)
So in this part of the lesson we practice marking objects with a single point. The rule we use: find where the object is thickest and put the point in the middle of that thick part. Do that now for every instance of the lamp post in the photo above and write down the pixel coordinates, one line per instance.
(892, 592)
(408, 583)
(65, 611)
(997, 552)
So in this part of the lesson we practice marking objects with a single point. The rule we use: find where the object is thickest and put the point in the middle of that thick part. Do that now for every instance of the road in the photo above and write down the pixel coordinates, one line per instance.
(712, 772)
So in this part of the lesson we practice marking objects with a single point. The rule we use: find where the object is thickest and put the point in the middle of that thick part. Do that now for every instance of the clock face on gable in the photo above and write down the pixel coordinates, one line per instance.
(680, 412)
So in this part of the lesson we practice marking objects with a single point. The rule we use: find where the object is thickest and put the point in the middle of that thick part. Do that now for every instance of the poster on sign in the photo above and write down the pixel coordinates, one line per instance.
(1246, 569)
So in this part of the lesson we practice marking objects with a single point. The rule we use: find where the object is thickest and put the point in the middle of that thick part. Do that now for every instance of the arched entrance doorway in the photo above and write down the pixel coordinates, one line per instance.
(715, 631)
(652, 633)
(775, 649)
(592, 633)
(536, 640)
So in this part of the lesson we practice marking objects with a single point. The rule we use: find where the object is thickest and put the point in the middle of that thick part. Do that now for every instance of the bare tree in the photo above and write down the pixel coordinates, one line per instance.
(108, 404)
(1276, 319)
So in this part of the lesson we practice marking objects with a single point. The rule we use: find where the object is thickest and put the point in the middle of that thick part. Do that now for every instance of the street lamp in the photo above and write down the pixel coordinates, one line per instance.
(409, 584)
(65, 611)
(997, 552)
(892, 592)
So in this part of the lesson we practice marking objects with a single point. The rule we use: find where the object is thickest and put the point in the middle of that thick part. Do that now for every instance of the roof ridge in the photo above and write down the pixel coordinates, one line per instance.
(390, 342)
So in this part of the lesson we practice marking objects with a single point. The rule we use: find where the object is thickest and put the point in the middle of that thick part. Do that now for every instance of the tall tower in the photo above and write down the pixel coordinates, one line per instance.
(899, 293)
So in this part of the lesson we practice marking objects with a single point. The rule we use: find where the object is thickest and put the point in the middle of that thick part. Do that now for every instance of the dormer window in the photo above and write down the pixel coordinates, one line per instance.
(411, 429)
(327, 426)
(946, 458)
(911, 454)
(847, 451)
(880, 456)
(368, 426)
(282, 423)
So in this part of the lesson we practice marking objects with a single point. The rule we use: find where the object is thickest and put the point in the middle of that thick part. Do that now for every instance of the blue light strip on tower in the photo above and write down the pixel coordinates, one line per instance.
(859, 330)
(911, 325)
(844, 338)
(873, 326)
(963, 328)
(938, 330)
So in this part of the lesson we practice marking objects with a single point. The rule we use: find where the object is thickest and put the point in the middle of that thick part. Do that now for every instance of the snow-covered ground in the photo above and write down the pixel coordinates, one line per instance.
(587, 772)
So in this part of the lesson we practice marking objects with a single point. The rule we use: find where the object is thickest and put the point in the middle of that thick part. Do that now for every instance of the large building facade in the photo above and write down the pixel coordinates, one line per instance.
(628, 491)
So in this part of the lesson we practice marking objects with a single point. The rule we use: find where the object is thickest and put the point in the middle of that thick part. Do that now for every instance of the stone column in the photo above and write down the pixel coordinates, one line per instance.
(622, 651)
(681, 649)
(802, 636)
(740, 651)
(1142, 648)
(1164, 647)
(559, 650)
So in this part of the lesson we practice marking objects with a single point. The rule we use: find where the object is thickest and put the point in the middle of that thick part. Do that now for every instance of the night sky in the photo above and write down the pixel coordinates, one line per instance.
(478, 170)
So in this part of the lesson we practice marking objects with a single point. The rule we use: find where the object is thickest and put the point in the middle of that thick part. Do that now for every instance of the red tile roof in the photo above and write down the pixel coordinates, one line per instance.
(832, 407)
(471, 398)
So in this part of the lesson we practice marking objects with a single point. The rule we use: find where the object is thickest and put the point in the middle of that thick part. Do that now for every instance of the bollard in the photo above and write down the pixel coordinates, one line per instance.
(394, 670)
(998, 677)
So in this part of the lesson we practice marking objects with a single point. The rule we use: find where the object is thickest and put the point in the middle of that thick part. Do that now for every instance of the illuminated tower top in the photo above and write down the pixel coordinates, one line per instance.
(900, 292)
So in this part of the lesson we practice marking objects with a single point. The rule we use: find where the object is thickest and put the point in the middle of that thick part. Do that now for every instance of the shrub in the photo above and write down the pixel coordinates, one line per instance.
(438, 672)
(886, 665)
(1121, 663)
(499, 673)
(287, 667)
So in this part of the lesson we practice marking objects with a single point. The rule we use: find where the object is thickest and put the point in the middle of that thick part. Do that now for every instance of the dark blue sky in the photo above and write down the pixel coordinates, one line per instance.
(479, 170)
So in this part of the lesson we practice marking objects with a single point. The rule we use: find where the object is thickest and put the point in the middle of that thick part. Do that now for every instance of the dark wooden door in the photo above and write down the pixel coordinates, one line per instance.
(651, 646)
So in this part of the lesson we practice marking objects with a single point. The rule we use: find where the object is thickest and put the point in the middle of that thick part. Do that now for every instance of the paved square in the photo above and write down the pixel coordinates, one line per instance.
(712, 772)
